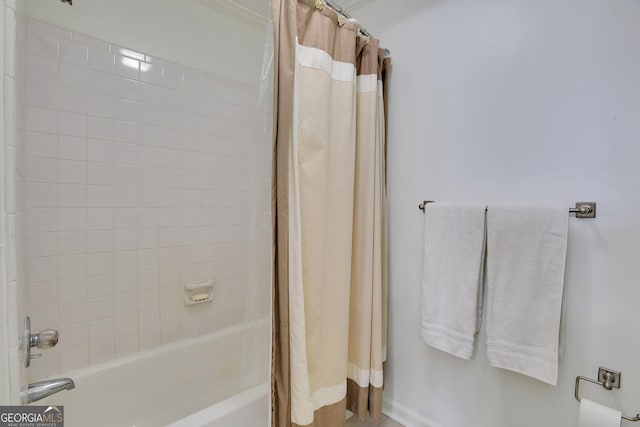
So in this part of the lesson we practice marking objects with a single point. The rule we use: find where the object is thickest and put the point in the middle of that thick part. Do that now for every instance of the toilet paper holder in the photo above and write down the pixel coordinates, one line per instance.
(608, 379)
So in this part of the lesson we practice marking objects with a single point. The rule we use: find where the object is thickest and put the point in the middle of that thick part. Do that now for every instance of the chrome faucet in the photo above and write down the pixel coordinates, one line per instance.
(41, 389)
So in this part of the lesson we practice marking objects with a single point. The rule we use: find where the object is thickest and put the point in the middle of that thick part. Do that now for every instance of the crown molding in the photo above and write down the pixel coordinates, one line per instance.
(237, 11)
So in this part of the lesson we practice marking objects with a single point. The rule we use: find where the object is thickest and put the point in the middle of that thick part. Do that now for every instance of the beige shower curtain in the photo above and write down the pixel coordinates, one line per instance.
(329, 334)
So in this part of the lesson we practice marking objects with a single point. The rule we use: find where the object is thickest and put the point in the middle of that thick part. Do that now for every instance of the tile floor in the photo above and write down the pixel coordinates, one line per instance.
(384, 422)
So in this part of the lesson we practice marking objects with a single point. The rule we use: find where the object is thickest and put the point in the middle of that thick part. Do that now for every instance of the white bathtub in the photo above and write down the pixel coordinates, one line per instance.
(205, 381)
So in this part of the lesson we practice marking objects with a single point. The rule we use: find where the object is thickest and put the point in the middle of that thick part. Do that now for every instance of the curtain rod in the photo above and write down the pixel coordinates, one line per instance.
(339, 9)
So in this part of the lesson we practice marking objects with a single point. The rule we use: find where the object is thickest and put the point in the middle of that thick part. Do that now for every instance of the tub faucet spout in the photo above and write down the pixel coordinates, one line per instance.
(41, 389)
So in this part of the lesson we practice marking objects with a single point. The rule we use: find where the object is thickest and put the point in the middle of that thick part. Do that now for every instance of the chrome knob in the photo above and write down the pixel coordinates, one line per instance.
(44, 339)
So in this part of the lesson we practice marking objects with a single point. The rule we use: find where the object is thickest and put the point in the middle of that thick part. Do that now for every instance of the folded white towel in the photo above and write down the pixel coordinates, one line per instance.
(526, 253)
(454, 241)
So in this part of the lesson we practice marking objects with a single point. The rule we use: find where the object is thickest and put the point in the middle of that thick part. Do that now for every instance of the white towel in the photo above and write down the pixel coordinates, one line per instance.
(526, 253)
(454, 241)
(595, 415)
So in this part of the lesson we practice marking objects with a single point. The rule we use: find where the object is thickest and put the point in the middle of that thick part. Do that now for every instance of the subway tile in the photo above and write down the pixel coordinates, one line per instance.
(41, 44)
(41, 69)
(100, 307)
(126, 324)
(125, 218)
(40, 144)
(125, 196)
(126, 110)
(100, 105)
(151, 73)
(90, 42)
(74, 358)
(99, 241)
(72, 242)
(73, 124)
(101, 351)
(126, 281)
(72, 172)
(126, 132)
(100, 196)
(73, 335)
(101, 329)
(72, 52)
(42, 195)
(100, 128)
(72, 147)
(149, 319)
(42, 244)
(148, 299)
(100, 173)
(72, 195)
(147, 197)
(73, 312)
(125, 154)
(126, 303)
(101, 60)
(42, 219)
(70, 266)
(100, 151)
(126, 344)
(124, 261)
(147, 238)
(125, 240)
(100, 218)
(42, 119)
(74, 76)
(73, 100)
(126, 89)
(99, 263)
(42, 269)
(127, 67)
(151, 94)
(101, 83)
(100, 285)
(72, 289)
(39, 94)
(149, 339)
(125, 174)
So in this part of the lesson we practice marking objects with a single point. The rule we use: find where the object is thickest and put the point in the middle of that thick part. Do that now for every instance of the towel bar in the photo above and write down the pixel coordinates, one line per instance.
(608, 379)
(582, 209)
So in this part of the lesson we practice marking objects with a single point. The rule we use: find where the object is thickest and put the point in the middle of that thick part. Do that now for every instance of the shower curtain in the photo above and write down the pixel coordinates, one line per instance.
(329, 218)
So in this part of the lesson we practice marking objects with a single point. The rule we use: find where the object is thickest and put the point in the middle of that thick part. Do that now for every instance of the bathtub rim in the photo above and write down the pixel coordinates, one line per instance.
(88, 371)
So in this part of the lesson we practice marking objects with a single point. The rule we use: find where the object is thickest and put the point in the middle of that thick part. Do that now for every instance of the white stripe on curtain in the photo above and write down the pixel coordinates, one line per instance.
(321, 60)
(301, 407)
(368, 83)
(364, 377)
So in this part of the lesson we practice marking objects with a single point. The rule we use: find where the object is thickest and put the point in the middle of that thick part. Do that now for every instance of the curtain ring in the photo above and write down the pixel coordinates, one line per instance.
(342, 20)
(319, 4)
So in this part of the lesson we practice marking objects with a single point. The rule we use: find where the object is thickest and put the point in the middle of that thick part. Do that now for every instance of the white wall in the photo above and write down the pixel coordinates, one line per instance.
(183, 31)
(524, 102)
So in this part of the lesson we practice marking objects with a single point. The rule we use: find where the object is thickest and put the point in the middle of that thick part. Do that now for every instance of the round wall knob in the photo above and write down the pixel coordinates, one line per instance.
(44, 339)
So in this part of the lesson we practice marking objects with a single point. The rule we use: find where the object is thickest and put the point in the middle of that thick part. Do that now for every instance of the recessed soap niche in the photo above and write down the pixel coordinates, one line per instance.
(198, 292)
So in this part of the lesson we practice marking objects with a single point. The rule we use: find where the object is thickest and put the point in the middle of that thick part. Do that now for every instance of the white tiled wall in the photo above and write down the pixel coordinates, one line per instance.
(142, 175)
(13, 279)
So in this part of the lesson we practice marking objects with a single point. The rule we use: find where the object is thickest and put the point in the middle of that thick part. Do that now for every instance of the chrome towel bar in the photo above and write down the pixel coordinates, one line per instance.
(582, 209)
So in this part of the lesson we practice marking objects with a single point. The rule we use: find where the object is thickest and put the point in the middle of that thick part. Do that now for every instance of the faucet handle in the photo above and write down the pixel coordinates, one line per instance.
(44, 339)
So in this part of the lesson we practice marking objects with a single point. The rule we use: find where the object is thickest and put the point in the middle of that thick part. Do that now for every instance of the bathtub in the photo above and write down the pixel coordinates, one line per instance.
(205, 381)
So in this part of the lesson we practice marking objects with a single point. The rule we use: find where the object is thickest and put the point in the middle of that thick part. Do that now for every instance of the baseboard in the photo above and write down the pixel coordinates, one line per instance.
(405, 416)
